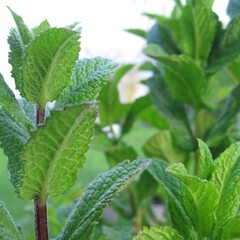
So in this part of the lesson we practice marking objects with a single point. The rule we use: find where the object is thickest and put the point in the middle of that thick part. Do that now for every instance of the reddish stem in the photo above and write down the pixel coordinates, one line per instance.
(40, 208)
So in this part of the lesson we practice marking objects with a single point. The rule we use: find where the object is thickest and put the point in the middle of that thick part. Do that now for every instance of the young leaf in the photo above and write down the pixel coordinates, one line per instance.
(184, 77)
(206, 161)
(88, 78)
(231, 230)
(97, 196)
(8, 229)
(199, 199)
(47, 68)
(158, 233)
(226, 178)
(174, 187)
(9, 104)
(55, 153)
(43, 26)
(13, 137)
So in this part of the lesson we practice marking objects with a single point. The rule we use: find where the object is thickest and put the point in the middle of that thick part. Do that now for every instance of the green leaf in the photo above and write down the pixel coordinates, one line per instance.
(160, 34)
(183, 76)
(9, 104)
(13, 137)
(173, 187)
(117, 154)
(137, 32)
(228, 48)
(174, 113)
(199, 199)
(161, 145)
(206, 161)
(49, 60)
(43, 26)
(97, 196)
(158, 233)
(231, 230)
(226, 117)
(225, 176)
(8, 229)
(191, 32)
(55, 153)
(25, 33)
(234, 70)
(233, 8)
(88, 78)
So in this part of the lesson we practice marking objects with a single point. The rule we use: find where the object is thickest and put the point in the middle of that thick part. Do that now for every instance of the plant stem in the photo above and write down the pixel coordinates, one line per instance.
(40, 208)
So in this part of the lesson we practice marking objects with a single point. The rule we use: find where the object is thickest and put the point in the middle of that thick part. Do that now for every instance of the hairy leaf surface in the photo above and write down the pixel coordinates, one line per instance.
(158, 233)
(55, 153)
(88, 78)
(226, 175)
(8, 229)
(97, 196)
(49, 60)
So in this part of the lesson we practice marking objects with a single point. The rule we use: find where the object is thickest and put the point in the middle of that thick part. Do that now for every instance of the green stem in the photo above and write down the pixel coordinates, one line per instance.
(40, 208)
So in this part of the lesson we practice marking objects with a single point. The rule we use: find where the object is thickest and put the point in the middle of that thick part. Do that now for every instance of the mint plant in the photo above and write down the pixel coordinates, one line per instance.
(46, 146)
(203, 206)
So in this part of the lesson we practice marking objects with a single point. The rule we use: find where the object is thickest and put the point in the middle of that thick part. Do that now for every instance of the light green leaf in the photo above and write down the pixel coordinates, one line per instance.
(55, 153)
(183, 76)
(137, 32)
(8, 229)
(199, 199)
(161, 145)
(174, 188)
(13, 137)
(88, 78)
(97, 196)
(191, 32)
(231, 230)
(9, 104)
(49, 60)
(158, 233)
(206, 161)
(43, 26)
(226, 176)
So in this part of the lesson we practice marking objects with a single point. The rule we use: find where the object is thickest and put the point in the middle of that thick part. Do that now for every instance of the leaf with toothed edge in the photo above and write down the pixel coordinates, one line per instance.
(8, 229)
(55, 153)
(89, 208)
(47, 73)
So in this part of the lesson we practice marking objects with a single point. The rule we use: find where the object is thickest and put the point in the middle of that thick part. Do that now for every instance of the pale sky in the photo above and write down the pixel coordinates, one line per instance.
(103, 22)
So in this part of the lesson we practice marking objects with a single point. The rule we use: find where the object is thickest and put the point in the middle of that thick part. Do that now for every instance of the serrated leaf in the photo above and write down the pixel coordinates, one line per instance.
(206, 161)
(137, 32)
(191, 32)
(158, 233)
(226, 175)
(233, 8)
(174, 188)
(55, 153)
(42, 27)
(199, 199)
(174, 112)
(97, 196)
(13, 137)
(8, 229)
(228, 48)
(9, 104)
(231, 230)
(225, 118)
(161, 146)
(49, 60)
(183, 76)
(88, 78)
